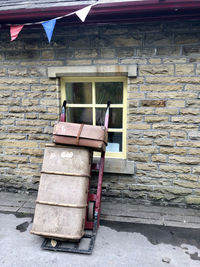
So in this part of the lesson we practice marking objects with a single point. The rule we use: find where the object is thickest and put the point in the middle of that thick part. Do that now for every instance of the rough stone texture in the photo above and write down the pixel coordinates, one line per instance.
(163, 105)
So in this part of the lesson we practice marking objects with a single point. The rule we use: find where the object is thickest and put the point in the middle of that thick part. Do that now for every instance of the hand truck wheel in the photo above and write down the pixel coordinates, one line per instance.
(91, 207)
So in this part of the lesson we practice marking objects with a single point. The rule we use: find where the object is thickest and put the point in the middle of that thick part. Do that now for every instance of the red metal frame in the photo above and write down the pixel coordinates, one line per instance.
(96, 198)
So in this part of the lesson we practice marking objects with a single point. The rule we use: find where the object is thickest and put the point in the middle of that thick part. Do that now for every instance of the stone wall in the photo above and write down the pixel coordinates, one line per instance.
(163, 104)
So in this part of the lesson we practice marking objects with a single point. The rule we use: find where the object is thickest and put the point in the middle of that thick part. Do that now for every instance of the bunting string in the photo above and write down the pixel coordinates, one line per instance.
(49, 25)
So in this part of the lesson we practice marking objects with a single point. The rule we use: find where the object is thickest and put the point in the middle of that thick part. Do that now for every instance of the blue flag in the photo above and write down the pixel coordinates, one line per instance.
(49, 27)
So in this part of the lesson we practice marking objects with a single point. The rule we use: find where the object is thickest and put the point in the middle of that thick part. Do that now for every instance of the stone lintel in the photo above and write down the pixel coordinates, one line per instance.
(93, 71)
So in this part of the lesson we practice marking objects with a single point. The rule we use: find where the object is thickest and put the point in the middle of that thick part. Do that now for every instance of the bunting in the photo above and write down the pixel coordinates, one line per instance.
(82, 13)
(14, 31)
(49, 25)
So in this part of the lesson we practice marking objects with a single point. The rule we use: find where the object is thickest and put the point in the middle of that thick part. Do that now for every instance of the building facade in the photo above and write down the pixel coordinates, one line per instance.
(160, 63)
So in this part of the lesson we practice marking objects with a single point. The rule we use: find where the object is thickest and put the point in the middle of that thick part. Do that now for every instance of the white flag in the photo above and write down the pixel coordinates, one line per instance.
(82, 13)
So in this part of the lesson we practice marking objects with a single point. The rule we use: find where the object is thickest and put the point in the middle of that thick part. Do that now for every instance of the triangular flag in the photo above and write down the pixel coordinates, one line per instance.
(49, 27)
(82, 13)
(14, 31)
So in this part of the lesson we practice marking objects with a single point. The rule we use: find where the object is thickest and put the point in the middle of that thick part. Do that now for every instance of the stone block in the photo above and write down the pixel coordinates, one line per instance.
(154, 60)
(156, 39)
(194, 151)
(172, 95)
(161, 87)
(152, 119)
(13, 71)
(32, 151)
(47, 54)
(136, 80)
(193, 200)
(187, 184)
(173, 80)
(153, 103)
(159, 158)
(138, 126)
(107, 53)
(146, 52)
(173, 150)
(174, 190)
(175, 168)
(135, 95)
(164, 142)
(186, 119)
(127, 41)
(31, 123)
(194, 135)
(188, 177)
(14, 159)
(168, 51)
(79, 62)
(48, 102)
(20, 81)
(131, 118)
(155, 134)
(85, 53)
(189, 111)
(184, 69)
(137, 157)
(192, 87)
(196, 170)
(141, 111)
(176, 103)
(146, 167)
(158, 70)
(188, 144)
(18, 143)
(187, 38)
(140, 141)
(184, 160)
(166, 111)
(194, 103)
(49, 117)
(106, 61)
(170, 126)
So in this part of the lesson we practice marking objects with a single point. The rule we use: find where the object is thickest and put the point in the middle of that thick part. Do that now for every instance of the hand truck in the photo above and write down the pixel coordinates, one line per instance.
(86, 243)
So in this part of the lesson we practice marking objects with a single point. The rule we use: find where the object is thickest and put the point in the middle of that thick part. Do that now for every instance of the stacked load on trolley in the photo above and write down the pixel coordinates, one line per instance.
(62, 196)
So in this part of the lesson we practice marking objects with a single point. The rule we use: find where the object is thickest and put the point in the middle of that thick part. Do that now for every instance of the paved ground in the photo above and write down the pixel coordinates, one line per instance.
(117, 244)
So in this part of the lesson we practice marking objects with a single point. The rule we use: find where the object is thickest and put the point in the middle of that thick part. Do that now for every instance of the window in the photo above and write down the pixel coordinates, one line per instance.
(86, 103)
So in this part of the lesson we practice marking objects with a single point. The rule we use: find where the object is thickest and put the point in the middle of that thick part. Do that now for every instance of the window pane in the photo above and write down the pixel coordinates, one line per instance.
(78, 93)
(109, 91)
(79, 115)
(115, 117)
(114, 142)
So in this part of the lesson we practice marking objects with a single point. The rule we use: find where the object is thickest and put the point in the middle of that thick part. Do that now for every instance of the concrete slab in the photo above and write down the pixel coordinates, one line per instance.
(114, 211)
(123, 245)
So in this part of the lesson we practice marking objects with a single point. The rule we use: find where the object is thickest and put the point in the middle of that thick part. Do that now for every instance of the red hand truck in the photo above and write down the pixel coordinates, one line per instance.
(86, 244)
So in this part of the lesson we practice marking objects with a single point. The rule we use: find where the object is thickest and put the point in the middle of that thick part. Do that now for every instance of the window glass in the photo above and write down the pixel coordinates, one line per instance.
(79, 115)
(79, 93)
(114, 142)
(109, 91)
(115, 117)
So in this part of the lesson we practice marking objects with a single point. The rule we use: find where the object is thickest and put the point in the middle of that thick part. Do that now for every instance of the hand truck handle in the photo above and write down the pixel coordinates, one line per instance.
(107, 115)
(63, 112)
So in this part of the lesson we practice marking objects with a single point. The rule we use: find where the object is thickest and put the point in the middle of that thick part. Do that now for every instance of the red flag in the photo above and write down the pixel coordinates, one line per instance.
(14, 31)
